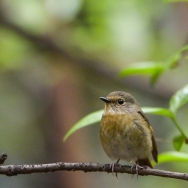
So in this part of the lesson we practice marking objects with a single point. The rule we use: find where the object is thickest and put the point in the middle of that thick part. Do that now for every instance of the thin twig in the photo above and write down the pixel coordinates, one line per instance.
(13, 170)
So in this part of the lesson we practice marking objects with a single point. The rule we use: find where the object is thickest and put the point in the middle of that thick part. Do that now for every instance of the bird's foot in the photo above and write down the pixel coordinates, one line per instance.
(112, 167)
(136, 168)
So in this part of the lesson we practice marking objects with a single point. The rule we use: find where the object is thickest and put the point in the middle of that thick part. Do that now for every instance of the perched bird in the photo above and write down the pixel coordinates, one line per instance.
(125, 132)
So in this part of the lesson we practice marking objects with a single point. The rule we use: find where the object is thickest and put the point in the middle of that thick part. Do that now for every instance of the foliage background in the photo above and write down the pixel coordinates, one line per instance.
(44, 90)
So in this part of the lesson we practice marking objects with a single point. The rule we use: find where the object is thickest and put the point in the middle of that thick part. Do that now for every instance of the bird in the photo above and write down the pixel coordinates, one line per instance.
(125, 132)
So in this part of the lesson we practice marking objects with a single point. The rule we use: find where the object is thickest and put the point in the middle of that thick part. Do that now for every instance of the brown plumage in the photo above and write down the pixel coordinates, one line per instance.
(125, 132)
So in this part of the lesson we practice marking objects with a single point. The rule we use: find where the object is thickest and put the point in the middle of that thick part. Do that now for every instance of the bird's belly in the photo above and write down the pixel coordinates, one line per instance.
(126, 141)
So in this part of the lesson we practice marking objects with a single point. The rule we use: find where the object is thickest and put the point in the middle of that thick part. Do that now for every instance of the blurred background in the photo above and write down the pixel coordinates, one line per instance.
(57, 57)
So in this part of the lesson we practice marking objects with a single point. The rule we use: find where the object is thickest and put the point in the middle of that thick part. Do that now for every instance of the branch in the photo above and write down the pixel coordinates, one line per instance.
(49, 44)
(99, 69)
(13, 170)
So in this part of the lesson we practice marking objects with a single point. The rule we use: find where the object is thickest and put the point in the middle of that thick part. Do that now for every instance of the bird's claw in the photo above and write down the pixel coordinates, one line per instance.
(136, 168)
(112, 167)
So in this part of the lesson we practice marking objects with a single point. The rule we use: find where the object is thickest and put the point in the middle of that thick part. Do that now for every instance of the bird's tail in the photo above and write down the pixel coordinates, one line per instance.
(144, 162)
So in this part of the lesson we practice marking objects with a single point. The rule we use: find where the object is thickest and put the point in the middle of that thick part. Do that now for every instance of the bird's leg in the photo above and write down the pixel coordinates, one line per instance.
(136, 167)
(112, 167)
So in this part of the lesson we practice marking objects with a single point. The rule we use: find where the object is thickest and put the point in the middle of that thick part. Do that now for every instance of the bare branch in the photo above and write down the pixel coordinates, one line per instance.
(13, 170)
(100, 69)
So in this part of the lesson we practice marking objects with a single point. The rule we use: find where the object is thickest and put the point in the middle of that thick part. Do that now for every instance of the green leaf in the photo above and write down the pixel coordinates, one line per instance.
(155, 76)
(172, 156)
(85, 121)
(144, 68)
(178, 142)
(175, 59)
(179, 99)
(158, 111)
(173, 62)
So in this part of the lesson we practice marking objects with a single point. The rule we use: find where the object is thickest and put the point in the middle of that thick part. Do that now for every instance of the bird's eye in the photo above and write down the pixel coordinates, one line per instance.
(120, 101)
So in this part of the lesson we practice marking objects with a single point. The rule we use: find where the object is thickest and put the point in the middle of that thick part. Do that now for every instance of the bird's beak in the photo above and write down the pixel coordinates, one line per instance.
(106, 100)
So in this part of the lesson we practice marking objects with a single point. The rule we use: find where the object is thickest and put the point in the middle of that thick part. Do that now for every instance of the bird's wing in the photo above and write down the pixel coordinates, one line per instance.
(154, 150)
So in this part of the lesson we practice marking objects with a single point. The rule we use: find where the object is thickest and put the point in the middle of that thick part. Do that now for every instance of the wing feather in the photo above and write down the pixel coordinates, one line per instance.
(154, 145)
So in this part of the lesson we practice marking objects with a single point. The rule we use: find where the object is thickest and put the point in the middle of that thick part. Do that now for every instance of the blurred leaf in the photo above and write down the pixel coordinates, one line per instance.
(179, 99)
(172, 156)
(144, 68)
(14, 50)
(158, 111)
(173, 62)
(85, 121)
(154, 69)
(178, 142)
(185, 48)
(155, 76)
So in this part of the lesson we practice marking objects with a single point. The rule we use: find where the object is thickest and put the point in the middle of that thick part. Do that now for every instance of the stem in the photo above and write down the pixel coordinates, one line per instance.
(178, 126)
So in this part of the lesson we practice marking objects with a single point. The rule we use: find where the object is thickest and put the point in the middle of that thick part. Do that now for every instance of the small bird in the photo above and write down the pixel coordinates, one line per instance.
(125, 132)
